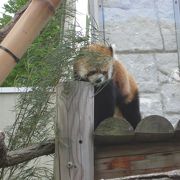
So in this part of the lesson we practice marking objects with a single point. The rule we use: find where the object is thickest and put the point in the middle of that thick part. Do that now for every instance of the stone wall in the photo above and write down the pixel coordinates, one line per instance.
(145, 38)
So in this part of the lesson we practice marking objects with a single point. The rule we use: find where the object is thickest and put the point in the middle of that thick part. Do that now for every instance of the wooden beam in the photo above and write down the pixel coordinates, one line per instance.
(74, 154)
(113, 131)
(154, 128)
(137, 158)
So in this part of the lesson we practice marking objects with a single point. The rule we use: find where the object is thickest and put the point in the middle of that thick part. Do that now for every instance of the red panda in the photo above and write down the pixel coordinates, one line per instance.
(116, 91)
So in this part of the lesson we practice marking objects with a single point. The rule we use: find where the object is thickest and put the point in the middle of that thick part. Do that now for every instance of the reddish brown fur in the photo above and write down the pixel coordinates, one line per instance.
(122, 78)
(120, 98)
(100, 49)
(84, 64)
(124, 81)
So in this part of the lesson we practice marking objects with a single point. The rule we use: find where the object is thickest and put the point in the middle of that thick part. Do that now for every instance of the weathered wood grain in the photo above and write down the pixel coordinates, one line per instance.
(132, 159)
(113, 131)
(154, 128)
(74, 154)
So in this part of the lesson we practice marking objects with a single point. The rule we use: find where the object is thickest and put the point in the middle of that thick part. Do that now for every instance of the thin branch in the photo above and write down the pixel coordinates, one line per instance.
(175, 174)
(3, 149)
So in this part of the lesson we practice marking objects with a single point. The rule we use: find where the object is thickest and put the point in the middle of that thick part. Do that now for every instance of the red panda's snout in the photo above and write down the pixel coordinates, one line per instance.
(95, 64)
(97, 78)
(101, 76)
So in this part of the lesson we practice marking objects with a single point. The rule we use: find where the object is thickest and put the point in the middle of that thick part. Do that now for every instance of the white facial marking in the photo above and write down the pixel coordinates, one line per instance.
(114, 51)
(110, 71)
(96, 77)
(82, 71)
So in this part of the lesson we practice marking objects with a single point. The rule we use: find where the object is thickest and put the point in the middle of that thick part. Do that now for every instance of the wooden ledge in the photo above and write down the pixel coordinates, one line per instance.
(154, 128)
(113, 131)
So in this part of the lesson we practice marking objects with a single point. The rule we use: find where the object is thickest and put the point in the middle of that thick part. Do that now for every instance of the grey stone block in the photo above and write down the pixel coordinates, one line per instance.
(167, 65)
(147, 27)
(171, 98)
(173, 118)
(142, 66)
(133, 29)
(140, 24)
(150, 104)
(117, 4)
(128, 4)
(165, 13)
(148, 87)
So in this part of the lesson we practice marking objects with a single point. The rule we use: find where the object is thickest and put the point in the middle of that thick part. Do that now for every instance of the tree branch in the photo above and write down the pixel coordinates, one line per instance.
(5, 30)
(175, 174)
(12, 158)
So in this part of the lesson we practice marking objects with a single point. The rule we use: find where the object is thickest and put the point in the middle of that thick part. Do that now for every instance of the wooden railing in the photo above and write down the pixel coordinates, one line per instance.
(153, 146)
(118, 149)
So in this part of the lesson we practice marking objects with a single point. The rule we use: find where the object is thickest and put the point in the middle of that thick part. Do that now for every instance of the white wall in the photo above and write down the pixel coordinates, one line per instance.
(8, 99)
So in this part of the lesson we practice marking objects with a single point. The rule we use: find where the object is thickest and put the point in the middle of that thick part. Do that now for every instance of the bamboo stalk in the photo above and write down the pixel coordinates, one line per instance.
(24, 32)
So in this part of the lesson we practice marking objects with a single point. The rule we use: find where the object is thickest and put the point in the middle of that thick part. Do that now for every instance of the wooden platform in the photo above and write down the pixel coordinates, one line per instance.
(119, 150)
(153, 146)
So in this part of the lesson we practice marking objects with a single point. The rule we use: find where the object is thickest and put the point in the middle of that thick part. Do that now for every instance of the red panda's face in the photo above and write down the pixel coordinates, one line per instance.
(95, 73)
(95, 65)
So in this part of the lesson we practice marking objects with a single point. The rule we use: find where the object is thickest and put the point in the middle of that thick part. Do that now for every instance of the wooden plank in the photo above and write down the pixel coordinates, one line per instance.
(141, 158)
(113, 131)
(154, 128)
(136, 149)
(74, 154)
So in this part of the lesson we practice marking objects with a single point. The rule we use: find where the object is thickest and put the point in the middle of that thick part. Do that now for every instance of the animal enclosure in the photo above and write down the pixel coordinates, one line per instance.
(118, 150)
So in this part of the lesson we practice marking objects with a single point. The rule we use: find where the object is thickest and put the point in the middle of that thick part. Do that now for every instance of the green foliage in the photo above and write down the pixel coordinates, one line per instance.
(14, 5)
(11, 7)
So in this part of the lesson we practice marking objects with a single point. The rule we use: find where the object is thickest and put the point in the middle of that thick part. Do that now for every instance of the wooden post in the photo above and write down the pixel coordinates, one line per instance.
(24, 32)
(74, 153)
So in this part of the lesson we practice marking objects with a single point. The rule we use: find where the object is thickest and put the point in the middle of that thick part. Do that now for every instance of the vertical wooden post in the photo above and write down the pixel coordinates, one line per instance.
(74, 151)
